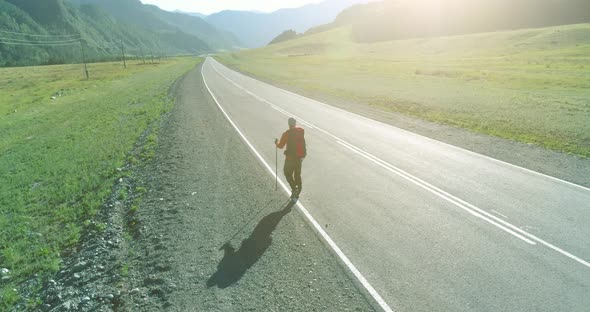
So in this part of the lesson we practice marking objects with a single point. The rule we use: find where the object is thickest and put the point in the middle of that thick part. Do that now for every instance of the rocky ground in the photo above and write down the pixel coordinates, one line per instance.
(202, 229)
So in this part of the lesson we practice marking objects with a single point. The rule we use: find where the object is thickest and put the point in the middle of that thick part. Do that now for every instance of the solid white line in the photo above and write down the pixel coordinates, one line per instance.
(512, 228)
(306, 213)
(404, 130)
(425, 186)
(476, 211)
(305, 123)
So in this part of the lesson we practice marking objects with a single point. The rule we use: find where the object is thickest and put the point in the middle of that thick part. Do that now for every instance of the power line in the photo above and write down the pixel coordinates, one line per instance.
(36, 35)
(35, 41)
(112, 46)
(102, 46)
(81, 41)
(38, 44)
(108, 47)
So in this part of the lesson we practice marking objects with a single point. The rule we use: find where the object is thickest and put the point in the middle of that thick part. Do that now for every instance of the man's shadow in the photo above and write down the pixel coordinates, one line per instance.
(234, 264)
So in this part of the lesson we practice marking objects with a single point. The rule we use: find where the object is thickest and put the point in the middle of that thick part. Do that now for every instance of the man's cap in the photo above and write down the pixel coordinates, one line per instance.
(292, 122)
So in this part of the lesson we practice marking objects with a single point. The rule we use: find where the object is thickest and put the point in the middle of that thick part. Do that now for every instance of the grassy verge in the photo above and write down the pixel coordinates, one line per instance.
(59, 157)
(528, 85)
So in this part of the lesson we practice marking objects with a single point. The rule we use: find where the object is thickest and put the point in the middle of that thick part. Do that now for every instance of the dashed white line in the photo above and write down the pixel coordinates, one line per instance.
(318, 228)
(307, 124)
(502, 215)
(280, 110)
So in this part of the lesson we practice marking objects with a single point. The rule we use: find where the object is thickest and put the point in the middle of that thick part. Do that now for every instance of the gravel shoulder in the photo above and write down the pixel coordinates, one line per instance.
(568, 167)
(213, 235)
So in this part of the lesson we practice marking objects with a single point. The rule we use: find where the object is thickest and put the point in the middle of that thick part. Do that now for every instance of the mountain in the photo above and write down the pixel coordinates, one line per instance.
(50, 32)
(201, 15)
(258, 29)
(397, 19)
(197, 26)
(34, 32)
(285, 36)
(157, 20)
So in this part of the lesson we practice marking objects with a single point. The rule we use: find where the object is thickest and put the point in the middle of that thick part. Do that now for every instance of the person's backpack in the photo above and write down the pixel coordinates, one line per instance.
(296, 147)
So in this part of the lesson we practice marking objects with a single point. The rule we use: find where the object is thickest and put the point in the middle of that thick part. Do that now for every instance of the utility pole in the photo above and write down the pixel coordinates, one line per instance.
(123, 51)
(152, 50)
(84, 58)
(142, 54)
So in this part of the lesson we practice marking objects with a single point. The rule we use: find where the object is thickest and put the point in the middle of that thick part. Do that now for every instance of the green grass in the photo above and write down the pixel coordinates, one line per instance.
(529, 85)
(59, 158)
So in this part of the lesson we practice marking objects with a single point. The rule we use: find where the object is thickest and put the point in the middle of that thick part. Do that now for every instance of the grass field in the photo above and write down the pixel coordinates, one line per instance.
(529, 85)
(59, 157)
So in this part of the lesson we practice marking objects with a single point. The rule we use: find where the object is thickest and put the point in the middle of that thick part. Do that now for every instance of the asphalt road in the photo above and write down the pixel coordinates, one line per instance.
(431, 227)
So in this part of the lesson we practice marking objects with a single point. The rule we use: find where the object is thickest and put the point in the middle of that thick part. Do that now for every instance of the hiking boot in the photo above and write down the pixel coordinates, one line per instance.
(295, 194)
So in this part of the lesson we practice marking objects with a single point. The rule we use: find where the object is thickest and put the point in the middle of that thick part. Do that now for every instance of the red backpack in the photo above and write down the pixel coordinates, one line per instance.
(296, 147)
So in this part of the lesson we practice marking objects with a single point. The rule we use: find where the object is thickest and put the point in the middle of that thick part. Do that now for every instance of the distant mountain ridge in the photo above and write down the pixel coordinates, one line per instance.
(156, 19)
(201, 15)
(258, 29)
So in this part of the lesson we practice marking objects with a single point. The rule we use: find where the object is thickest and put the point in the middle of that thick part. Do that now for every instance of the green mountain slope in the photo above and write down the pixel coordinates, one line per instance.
(36, 32)
(196, 26)
(156, 20)
(285, 36)
(13, 18)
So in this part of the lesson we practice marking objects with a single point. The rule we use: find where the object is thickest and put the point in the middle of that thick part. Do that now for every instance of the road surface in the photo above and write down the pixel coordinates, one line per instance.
(423, 225)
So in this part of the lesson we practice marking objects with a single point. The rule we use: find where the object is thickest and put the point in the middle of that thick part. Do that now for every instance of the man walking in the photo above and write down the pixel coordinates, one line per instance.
(296, 151)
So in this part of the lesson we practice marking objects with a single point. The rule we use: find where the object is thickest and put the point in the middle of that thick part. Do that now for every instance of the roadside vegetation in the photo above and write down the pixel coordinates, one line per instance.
(62, 140)
(530, 85)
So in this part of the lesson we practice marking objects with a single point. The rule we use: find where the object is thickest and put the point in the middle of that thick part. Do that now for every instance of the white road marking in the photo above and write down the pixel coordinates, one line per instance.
(306, 213)
(502, 215)
(280, 110)
(284, 112)
(427, 138)
(450, 198)
(398, 171)
(305, 123)
(498, 222)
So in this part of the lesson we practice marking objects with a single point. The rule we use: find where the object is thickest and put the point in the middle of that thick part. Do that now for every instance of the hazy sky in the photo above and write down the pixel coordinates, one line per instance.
(212, 6)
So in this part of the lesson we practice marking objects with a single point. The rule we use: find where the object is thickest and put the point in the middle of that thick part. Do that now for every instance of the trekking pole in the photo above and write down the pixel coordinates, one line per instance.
(276, 168)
